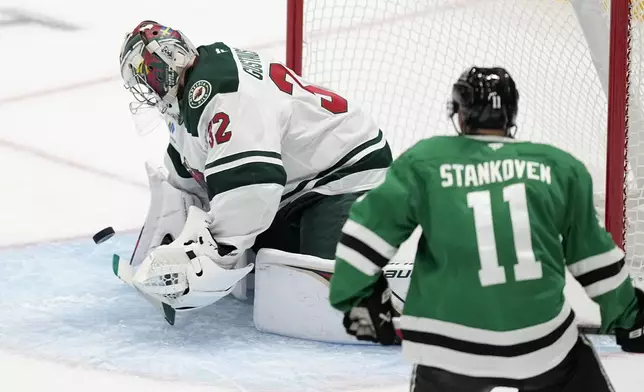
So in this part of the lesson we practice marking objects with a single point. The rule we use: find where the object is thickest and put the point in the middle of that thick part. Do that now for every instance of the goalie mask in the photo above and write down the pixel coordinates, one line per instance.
(153, 57)
(485, 98)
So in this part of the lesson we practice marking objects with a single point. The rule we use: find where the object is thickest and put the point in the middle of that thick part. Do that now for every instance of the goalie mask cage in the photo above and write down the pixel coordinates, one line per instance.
(579, 75)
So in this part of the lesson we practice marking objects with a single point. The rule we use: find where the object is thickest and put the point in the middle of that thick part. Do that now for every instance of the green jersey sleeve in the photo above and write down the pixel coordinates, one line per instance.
(378, 223)
(592, 257)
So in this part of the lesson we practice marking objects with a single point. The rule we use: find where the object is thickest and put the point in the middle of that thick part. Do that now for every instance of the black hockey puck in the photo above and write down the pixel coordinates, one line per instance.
(103, 235)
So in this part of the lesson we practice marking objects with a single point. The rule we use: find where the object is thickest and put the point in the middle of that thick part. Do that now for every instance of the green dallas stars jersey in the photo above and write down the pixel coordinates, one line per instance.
(501, 221)
(257, 138)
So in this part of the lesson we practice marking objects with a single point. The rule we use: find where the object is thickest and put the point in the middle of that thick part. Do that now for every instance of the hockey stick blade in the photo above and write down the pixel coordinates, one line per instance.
(124, 271)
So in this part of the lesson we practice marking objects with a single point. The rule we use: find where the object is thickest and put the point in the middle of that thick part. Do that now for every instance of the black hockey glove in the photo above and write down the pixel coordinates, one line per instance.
(632, 340)
(372, 318)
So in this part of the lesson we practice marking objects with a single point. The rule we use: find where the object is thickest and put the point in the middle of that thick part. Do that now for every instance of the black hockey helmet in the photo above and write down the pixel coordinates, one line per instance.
(485, 98)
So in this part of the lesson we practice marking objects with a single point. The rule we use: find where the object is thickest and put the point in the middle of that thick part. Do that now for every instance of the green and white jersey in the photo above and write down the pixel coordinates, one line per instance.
(501, 221)
(257, 137)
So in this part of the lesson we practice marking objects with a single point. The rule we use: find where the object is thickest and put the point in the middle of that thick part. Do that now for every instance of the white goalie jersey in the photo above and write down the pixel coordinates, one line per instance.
(252, 137)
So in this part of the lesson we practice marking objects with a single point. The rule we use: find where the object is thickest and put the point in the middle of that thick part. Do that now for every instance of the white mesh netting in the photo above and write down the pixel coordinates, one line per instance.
(399, 59)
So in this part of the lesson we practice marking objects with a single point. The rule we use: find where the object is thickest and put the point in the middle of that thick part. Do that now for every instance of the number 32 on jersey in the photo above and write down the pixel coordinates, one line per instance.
(527, 267)
(217, 129)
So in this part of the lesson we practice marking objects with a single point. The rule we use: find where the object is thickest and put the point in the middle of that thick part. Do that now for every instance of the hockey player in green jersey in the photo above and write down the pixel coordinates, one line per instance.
(260, 158)
(501, 221)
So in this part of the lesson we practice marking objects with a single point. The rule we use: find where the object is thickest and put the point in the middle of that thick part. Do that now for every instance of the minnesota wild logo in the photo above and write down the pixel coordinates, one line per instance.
(199, 93)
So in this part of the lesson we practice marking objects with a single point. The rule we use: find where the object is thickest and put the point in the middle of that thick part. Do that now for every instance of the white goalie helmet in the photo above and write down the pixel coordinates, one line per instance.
(153, 58)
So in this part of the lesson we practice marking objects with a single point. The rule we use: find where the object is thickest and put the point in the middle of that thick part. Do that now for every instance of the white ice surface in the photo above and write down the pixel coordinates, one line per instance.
(72, 164)
(74, 311)
(18, 373)
(52, 376)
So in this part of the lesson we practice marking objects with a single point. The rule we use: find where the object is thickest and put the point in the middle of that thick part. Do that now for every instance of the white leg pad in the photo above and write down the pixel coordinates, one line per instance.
(292, 297)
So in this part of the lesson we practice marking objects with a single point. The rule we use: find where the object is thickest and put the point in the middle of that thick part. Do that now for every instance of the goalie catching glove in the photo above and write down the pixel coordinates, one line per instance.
(193, 271)
(372, 318)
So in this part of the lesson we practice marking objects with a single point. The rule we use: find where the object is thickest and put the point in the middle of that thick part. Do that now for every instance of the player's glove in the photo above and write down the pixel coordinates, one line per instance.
(632, 340)
(372, 318)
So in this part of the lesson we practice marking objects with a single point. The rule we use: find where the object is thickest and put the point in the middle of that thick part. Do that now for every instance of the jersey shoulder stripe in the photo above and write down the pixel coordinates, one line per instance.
(214, 73)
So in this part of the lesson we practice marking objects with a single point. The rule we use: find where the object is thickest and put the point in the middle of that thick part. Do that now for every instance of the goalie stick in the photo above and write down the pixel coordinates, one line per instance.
(124, 271)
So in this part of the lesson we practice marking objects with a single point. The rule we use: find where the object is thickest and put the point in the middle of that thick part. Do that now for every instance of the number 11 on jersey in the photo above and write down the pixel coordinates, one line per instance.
(527, 267)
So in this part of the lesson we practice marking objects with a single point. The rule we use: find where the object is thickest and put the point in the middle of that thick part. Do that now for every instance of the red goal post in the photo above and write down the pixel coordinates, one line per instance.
(617, 146)
(329, 42)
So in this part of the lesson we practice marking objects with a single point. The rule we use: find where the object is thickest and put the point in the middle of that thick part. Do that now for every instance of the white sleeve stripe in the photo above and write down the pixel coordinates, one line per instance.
(596, 262)
(357, 260)
(243, 161)
(371, 239)
(604, 286)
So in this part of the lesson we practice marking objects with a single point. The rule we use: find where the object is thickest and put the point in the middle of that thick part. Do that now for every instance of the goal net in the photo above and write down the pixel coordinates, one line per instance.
(399, 59)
